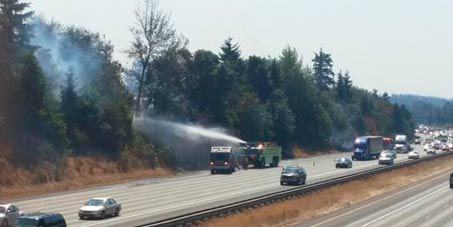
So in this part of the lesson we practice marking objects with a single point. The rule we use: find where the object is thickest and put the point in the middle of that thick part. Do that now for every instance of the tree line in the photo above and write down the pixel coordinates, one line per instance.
(427, 110)
(47, 112)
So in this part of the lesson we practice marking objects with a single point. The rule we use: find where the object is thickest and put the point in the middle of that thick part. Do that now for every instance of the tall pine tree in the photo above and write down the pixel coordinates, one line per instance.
(323, 72)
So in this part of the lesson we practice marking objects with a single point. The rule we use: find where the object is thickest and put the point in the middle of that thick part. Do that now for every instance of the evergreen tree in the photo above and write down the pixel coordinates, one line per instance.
(323, 72)
(231, 79)
(14, 23)
(205, 94)
(70, 107)
(259, 77)
(343, 86)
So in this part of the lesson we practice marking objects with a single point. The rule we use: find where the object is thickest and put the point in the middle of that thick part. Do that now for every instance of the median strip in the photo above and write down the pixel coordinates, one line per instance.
(296, 211)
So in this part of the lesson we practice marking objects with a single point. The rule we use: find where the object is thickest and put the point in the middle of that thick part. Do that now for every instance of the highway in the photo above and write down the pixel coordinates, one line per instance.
(427, 204)
(151, 200)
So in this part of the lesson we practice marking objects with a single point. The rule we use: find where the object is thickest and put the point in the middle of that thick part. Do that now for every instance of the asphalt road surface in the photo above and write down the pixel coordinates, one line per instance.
(151, 200)
(427, 204)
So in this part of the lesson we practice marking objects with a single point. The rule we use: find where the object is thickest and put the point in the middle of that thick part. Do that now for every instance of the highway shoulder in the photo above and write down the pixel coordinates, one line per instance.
(355, 212)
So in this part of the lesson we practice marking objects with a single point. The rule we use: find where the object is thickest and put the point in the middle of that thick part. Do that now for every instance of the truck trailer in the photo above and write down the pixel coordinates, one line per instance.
(367, 148)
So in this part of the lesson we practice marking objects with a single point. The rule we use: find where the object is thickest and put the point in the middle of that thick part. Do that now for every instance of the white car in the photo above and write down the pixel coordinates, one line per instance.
(8, 214)
(414, 155)
(426, 147)
(391, 152)
(100, 208)
(386, 159)
(431, 150)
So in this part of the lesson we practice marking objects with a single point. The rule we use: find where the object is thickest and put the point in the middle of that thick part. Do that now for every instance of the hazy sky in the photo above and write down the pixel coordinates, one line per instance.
(398, 46)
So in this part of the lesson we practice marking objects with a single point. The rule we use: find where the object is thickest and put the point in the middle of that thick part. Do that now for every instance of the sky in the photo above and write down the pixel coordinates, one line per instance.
(394, 46)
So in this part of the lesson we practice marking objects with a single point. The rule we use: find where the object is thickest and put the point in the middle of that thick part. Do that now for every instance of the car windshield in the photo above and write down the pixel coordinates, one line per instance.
(289, 170)
(95, 202)
(2, 210)
(220, 156)
(26, 222)
(360, 145)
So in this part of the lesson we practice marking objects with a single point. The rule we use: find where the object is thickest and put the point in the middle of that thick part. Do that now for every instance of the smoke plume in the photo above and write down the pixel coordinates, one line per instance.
(59, 53)
(190, 144)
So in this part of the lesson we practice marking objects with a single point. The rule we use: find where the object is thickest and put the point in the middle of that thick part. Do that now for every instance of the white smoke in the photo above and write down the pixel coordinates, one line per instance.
(190, 144)
(58, 55)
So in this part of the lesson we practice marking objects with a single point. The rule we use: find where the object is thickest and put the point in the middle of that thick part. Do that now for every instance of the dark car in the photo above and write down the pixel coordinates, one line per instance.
(40, 220)
(344, 163)
(437, 146)
(293, 175)
(451, 181)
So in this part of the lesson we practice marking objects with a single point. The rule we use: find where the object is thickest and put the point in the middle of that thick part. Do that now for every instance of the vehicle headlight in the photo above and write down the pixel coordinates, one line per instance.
(212, 163)
(226, 163)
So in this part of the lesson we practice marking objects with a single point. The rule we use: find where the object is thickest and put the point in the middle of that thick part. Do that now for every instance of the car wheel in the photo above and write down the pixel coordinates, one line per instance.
(117, 212)
(80, 217)
(281, 183)
(103, 215)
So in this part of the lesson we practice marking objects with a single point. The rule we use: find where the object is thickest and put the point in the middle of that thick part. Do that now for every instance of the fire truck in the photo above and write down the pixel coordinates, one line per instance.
(258, 154)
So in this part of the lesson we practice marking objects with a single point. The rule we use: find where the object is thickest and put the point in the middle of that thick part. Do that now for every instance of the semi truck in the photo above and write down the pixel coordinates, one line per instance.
(402, 144)
(367, 147)
(229, 158)
(388, 143)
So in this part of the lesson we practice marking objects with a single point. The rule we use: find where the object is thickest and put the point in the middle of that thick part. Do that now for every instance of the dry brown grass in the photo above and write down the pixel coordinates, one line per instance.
(323, 202)
(76, 174)
(302, 153)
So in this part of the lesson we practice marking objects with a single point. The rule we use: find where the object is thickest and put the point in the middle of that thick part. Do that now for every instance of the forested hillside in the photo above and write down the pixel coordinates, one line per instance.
(427, 110)
(63, 95)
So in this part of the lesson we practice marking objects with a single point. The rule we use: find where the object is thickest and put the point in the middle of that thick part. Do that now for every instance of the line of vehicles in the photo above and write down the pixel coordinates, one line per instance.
(95, 208)
(227, 159)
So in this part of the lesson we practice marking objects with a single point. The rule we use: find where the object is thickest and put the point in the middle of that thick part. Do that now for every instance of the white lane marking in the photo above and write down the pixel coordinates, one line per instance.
(375, 202)
(404, 207)
(332, 172)
(170, 208)
(157, 211)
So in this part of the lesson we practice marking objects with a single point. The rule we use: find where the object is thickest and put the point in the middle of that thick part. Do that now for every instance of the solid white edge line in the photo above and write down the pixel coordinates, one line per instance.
(377, 201)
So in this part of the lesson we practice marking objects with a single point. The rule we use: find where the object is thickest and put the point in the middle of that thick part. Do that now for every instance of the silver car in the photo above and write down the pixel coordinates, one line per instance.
(386, 159)
(8, 214)
(414, 155)
(391, 152)
(100, 208)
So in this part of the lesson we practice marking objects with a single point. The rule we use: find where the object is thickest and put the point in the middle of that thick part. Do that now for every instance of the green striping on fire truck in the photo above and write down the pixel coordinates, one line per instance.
(263, 154)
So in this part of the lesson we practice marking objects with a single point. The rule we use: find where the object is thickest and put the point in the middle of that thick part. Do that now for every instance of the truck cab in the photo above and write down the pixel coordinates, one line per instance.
(221, 159)
(262, 154)
(367, 147)
(402, 144)
(226, 159)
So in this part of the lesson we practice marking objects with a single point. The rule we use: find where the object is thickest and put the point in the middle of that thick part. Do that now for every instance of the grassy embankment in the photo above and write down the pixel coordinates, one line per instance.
(76, 174)
(292, 212)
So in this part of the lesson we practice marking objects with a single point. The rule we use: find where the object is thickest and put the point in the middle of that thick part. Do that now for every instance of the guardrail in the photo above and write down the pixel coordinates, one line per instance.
(281, 195)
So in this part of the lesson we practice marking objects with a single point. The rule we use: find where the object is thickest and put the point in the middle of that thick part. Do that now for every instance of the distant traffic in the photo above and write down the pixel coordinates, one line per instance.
(258, 155)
